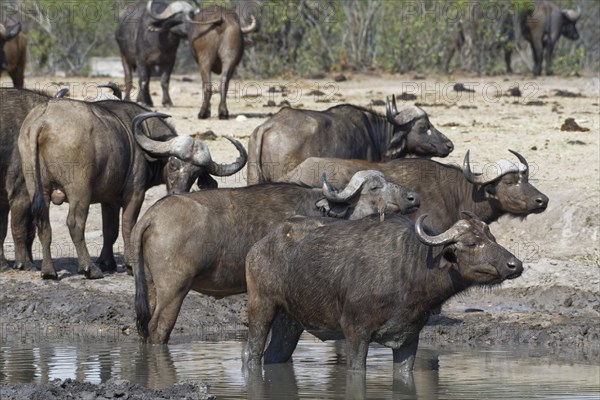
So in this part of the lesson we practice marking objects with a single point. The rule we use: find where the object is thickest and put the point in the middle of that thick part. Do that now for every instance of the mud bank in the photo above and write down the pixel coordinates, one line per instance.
(554, 304)
(111, 389)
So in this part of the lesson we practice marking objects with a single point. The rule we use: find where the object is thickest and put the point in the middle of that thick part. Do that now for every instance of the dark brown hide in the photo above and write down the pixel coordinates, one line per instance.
(217, 47)
(199, 241)
(345, 131)
(372, 281)
(444, 189)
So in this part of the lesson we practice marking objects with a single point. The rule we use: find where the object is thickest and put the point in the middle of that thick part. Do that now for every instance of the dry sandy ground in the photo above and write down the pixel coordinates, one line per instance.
(555, 303)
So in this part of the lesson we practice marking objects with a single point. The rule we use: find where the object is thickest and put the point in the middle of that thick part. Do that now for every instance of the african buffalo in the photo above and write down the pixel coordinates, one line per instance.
(343, 131)
(199, 241)
(13, 55)
(15, 104)
(445, 189)
(145, 46)
(373, 281)
(86, 153)
(543, 26)
(217, 42)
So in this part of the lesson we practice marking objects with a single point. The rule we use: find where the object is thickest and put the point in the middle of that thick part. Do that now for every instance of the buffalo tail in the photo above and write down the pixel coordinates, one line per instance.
(39, 208)
(142, 308)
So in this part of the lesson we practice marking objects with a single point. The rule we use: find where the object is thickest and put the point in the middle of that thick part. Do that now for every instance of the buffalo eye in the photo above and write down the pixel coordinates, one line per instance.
(374, 188)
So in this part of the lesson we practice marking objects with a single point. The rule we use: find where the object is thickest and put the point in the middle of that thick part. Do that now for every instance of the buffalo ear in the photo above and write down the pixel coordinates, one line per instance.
(205, 181)
(490, 189)
(448, 258)
(331, 209)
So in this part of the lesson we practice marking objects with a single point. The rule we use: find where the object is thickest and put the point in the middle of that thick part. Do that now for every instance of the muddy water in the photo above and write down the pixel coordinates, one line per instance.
(317, 372)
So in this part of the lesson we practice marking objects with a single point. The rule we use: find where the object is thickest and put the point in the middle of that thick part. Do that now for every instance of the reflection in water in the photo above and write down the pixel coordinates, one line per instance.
(317, 372)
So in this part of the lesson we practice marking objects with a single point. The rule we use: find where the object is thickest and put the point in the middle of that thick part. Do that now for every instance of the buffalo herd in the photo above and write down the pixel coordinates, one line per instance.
(347, 228)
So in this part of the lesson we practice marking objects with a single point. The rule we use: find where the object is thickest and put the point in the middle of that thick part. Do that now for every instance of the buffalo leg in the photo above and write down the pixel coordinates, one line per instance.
(164, 84)
(261, 312)
(130, 215)
(225, 78)
(206, 89)
(404, 357)
(356, 385)
(128, 78)
(3, 232)
(76, 219)
(110, 233)
(23, 232)
(548, 57)
(357, 343)
(508, 58)
(45, 235)
(285, 333)
(168, 301)
(144, 89)
(537, 59)
(17, 78)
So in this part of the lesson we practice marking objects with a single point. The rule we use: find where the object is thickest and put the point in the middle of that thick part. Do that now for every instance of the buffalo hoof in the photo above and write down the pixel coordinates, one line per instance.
(129, 270)
(204, 114)
(49, 276)
(25, 266)
(223, 115)
(167, 103)
(108, 266)
(4, 266)
(92, 272)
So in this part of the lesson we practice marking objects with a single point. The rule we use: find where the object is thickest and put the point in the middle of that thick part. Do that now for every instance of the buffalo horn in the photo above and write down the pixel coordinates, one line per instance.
(573, 15)
(61, 93)
(229, 169)
(522, 160)
(388, 110)
(251, 27)
(187, 148)
(471, 215)
(355, 184)
(172, 9)
(471, 177)
(480, 179)
(11, 32)
(197, 4)
(407, 114)
(115, 89)
(443, 238)
(155, 147)
(180, 7)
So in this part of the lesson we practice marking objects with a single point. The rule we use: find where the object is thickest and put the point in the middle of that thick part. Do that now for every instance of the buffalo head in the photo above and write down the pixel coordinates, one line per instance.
(415, 133)
(509, 189)
(472, 251)
(367, 192)
(7, 34)
(173, 17)
(188, 158)
(568, 28)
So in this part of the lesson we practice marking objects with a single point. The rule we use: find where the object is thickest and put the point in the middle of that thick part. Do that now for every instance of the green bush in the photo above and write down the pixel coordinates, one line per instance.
(305, 37)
